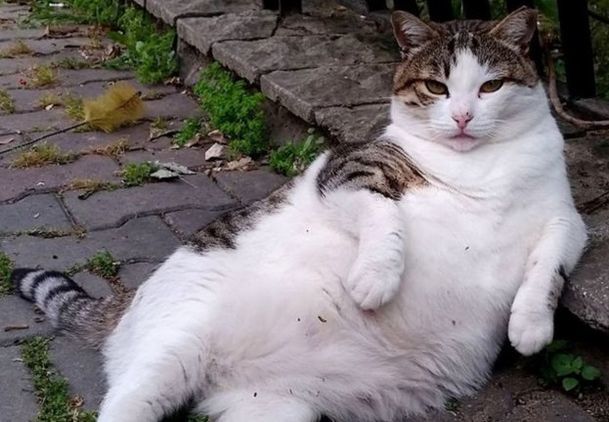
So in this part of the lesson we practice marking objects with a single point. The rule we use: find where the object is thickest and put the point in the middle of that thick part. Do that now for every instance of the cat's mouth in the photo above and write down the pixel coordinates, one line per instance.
(463, 142)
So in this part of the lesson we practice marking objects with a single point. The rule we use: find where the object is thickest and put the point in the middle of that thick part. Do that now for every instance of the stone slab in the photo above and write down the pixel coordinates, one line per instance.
(304, 91)
(17, 398)
(141, 239)
(37, 121)
(33, 212)
(169, 10)
(189, 222)
(48, 46)
(354, 124)
(177, 106)
(109, 209)
(82, 367)
(251, 59)
(93, 284)
(21, 33)
(17, 312)
(336, 23)
(190, 157)
(133, 275)
(19, 182)
(202, 33)
(250, 186)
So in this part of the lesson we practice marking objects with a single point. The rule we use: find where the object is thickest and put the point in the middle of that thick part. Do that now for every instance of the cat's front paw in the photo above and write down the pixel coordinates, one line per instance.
(529, 332)
(373, 284)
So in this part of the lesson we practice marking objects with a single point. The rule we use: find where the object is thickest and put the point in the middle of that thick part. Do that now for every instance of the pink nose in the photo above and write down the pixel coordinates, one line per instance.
(462, 119)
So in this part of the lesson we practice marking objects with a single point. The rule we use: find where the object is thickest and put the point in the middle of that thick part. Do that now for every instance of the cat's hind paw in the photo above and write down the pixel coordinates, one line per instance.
(373, 284)
(530, 332)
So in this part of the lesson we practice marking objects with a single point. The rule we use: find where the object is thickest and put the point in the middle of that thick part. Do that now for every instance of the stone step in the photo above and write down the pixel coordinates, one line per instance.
(333, 69)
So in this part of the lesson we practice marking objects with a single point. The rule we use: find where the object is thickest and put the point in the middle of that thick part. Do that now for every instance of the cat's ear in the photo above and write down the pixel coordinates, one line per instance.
(410, 31)
(517, 28)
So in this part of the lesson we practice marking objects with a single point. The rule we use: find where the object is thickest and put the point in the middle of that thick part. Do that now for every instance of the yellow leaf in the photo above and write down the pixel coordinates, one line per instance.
(119, 105)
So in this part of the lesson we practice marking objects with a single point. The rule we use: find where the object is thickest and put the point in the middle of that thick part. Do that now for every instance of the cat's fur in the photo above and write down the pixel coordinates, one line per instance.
(379, 283)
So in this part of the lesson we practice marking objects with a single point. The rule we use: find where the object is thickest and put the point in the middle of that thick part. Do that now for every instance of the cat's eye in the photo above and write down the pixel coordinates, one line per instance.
(491, 86)
(435, 87)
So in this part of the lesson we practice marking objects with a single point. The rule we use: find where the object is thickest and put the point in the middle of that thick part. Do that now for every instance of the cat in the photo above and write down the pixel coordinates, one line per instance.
(377, 284)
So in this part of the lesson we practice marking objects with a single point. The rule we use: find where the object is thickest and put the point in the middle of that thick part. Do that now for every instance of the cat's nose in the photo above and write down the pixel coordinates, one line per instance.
(462, 119)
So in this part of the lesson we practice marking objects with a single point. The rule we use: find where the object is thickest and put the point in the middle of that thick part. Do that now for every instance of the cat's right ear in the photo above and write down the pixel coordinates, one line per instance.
(410, 31)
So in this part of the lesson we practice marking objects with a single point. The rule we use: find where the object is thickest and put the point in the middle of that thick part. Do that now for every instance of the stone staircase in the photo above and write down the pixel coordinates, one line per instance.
(332, 68)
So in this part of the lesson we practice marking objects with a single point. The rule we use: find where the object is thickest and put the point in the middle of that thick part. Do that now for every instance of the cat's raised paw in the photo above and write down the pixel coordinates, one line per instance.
(372, 285)
(530, 332)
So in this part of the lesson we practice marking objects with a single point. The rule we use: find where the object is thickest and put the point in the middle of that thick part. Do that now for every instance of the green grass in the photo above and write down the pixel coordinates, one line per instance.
(51, 389)
(190, 129)
(233, 110)
(103, 264)
(136, 174)
(6, 102)
(293, 158)
(6, 267)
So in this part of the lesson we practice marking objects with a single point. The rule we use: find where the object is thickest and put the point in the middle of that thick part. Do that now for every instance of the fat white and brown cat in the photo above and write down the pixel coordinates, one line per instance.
(380, 282)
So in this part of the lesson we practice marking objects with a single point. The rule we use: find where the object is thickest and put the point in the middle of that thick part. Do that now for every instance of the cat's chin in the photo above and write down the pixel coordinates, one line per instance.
(462, 143)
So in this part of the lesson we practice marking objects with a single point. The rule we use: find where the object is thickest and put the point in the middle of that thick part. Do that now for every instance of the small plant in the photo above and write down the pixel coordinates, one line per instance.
(568, 370)
(293, 158)
(41, 155)
(113, 150)
(136, 174)
(42, 75)
(103, 264)
(190, 129)
(91, 186)
(6, 102)
(74, 107)
(19, 48)
(6, 267)
(233, 110)
(51, 389)
(159, 123)
(49, 99)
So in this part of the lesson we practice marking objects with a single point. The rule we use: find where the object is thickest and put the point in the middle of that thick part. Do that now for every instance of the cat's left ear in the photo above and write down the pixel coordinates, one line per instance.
(517, 28)
(410, 32)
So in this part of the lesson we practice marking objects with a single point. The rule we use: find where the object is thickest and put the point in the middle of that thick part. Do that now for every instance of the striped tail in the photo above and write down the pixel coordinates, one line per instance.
(68, 307)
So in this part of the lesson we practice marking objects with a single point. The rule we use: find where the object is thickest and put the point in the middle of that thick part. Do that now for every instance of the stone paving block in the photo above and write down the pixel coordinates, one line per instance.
(142, 239)
(82, 367)
(345, 23)
(14, 65)
(251, 59)
(36, 121)
(250, 186)
(49, 45)
(191, 157)
(109, 209)
(303, 91)
(29, 99)
(188, 222)
(33, 212)
(93, 284)
(169, 10)
(18, 182)
(354, 124)
(17, 312)
(21, 33)
(178, 106)
(66, 78)
(17, 398)
(133, 275)
(202, 33)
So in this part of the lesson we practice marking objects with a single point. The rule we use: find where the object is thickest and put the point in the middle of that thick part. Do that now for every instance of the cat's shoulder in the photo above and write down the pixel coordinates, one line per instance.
(380, 166)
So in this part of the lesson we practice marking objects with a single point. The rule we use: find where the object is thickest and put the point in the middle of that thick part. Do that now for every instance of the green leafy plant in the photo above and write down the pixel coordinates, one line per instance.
(103, 264)
(51, 389)
(6, 267)
(6, 102)
(136, 174)
(190, 129)
(291, 159)
(570, 371)
(41, 155)
(233, 110)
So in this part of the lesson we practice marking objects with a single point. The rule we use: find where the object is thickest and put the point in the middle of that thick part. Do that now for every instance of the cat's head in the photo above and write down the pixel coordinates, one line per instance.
(464, 82)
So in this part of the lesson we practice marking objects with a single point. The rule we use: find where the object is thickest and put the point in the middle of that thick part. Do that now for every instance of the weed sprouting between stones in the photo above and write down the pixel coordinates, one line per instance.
(19, 48)
(6, 267)
(136, 174)
(42, 76)
(291, 159)
(51, 389)
(103, 264)
(190, 129)
(6, 102)
(41, 155)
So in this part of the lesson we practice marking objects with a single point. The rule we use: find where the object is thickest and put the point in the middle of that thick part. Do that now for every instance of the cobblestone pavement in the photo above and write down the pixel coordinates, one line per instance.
(44, 222)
